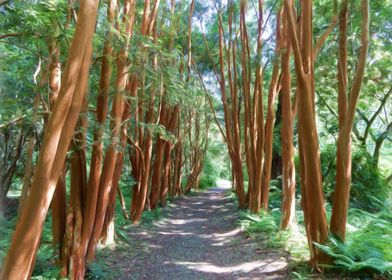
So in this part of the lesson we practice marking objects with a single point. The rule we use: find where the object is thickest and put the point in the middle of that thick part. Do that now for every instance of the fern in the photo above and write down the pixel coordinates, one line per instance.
(367, 249)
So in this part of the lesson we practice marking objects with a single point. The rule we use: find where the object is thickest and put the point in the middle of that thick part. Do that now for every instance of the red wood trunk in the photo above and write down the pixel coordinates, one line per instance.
(106, 179)
(288, 167)
(166, 174)
(156, 172)
(273, 91)
(58, 206)
(311, 182)
(346, 120)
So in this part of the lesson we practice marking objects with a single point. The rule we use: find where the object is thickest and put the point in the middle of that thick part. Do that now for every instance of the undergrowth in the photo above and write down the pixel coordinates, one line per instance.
(366, 254)
(44, 268)
(368, 246)
(266, 227)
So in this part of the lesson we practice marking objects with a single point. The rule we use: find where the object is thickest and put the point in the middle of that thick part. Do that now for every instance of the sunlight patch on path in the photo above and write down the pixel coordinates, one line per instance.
(183, 221)
(223, 184)
(263, 266)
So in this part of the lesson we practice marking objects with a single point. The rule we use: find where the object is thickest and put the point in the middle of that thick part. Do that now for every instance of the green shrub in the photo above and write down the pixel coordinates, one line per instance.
(275, 195)
(266, 226)
(207, 181)
(256, 224)
(211, 171)
(369, 190)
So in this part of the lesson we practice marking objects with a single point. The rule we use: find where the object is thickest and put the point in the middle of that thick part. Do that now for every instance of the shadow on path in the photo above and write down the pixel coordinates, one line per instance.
(199, 238)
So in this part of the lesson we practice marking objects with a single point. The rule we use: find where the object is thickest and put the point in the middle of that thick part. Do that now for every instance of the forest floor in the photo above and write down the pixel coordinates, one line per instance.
(198, 238)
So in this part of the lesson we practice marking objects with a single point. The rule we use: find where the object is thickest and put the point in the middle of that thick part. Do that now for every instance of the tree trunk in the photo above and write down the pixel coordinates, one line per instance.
(59, 202)
(177, 176)
(288, 167)
(166, 174)
(73, 258)
(231, 117)
(343, 161)
(145, 135)
(58, 206)
(156, 172)
(269, 134)
(73, 263)
(29, 167)
(107, 234)
(311, 184)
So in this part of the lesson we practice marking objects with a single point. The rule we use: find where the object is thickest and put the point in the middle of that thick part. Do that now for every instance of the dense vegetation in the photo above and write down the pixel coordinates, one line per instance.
(110, 109)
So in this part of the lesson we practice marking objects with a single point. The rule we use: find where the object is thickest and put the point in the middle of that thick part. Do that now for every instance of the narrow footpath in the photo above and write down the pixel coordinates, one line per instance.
(199, 238)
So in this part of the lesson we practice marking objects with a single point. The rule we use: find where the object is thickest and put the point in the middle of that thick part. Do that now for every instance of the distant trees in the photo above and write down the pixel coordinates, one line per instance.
(257, 136)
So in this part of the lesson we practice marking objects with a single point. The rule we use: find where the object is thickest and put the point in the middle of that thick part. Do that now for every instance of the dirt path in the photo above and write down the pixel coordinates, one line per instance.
(199, 238)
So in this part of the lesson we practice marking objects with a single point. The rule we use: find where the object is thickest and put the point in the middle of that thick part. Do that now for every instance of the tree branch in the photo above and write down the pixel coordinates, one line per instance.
(358, 78)
(320, 42)
(10, 35)
(209, 101)
(294, 41)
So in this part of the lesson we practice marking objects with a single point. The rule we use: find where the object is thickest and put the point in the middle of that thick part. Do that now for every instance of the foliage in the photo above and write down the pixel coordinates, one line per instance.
(276, 193)
(151, 216)
(5, 232)
(265, 226)
(210, 173)
(215, 165)
(255, 224)
(207, 181)
(98, 271)
(369, 189)
(367, 247)
(45, 267)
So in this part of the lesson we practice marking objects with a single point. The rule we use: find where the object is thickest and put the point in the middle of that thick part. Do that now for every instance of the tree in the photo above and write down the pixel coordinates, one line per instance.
(347, 107)
(310, 169)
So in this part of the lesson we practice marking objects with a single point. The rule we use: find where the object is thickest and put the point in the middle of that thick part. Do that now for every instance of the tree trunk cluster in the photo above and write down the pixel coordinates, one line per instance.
(153, 141)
